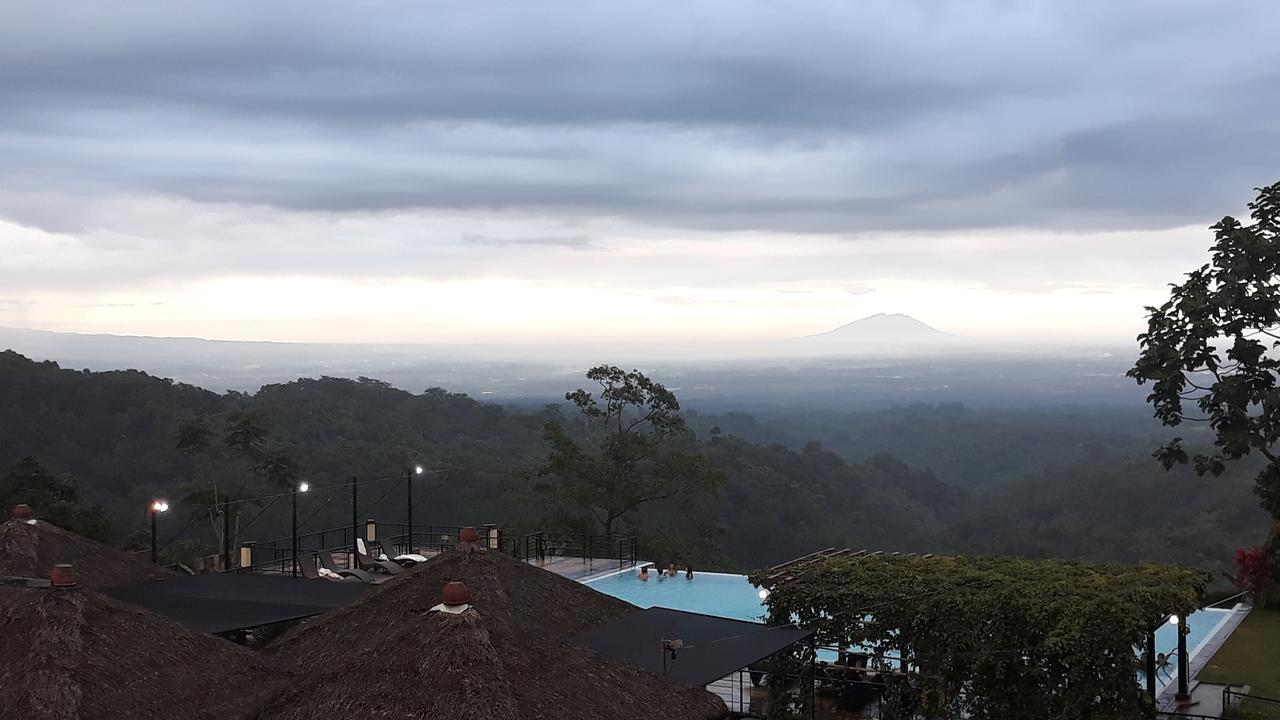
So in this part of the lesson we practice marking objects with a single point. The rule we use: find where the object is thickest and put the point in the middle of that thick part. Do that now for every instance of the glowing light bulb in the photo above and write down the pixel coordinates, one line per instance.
(418, 469)
(303, 487)
(159, 506)
(764, 593)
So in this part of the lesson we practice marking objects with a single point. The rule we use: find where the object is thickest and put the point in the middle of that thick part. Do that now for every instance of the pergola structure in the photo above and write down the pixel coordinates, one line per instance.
(1080, 623)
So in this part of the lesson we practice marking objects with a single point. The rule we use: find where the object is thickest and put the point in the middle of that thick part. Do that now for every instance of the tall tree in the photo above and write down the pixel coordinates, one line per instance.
(246, 435)
(1210, 351)
(632, 448)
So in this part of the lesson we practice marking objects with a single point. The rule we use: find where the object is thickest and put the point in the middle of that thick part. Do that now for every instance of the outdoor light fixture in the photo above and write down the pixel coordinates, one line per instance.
(418, 470)
(155, 508)
(300, 487)
(764, 593)
(1173, 619)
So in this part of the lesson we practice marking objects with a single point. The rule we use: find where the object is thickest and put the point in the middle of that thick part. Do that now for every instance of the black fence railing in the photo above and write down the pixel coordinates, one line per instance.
(276, 556)
(544, 546)
(1234, 697)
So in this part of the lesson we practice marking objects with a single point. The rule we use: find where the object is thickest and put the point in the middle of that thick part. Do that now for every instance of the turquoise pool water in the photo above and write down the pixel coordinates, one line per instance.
(728, 596)
(732, 596)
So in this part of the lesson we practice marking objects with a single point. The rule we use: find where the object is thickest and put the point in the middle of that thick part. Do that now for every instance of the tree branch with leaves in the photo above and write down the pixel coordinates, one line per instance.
(1212, 352)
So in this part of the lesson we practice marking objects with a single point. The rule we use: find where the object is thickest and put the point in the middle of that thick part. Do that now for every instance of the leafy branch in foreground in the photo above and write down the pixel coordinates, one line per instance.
(1210, 352)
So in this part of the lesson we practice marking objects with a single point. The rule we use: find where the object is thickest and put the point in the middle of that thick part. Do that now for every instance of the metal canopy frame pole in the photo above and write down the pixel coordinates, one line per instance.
(355, 517)
(1151, 664)
(226, 536)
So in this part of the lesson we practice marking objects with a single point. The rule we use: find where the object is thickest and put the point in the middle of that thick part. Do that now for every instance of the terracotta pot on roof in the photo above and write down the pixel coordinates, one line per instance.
(21, 511)
(456, 593)
(468, 535)
(63, 576)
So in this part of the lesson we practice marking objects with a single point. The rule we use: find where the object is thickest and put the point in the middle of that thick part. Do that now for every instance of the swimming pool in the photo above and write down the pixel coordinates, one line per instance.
(732, 596)
(718, 594)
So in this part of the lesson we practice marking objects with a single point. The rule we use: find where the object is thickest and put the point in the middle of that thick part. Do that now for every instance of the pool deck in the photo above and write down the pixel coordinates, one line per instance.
(576, 568)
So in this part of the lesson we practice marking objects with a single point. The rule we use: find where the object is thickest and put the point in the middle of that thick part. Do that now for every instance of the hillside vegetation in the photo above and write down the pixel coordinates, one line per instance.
(1089, 497)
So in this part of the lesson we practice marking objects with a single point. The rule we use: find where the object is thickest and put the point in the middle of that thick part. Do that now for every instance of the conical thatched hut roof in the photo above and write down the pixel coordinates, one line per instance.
(30, 550)
(507, 658)
(72, 654)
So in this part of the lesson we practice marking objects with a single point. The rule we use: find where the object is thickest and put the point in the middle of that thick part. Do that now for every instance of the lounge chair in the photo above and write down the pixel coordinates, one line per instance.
(307, 566)
(326, 562)
(368, 562)
(404, 559)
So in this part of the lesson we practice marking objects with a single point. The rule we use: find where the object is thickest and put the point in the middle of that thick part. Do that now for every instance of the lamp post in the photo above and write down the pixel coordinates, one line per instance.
(156, 507)
(408, 499)
(1183, 696)
(300, 487)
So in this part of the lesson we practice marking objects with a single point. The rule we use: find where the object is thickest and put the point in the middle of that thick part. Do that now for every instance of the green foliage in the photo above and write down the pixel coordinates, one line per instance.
(54, 499)
(632, 448)
(1209, 350)
(1073, 484)
(990, 637)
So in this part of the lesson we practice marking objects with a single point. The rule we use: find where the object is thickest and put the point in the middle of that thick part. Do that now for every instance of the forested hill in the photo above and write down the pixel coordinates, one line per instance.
(115, 432)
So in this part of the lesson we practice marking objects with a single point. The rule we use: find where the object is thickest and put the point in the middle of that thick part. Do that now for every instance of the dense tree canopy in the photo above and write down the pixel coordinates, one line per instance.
(1069, 484)
(54, 499)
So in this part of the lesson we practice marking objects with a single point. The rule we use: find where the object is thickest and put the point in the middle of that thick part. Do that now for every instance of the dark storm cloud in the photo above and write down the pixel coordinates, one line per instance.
(820, 116)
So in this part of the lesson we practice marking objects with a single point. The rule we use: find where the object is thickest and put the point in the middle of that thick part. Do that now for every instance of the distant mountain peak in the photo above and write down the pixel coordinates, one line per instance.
(886, 326)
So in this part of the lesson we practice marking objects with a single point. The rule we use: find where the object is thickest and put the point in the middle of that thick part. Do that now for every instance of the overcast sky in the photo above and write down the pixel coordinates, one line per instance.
(478, 171)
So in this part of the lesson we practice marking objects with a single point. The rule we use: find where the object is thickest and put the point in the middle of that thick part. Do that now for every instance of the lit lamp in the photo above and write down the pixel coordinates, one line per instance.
(408, 504)
(299, 488)
(155, 508)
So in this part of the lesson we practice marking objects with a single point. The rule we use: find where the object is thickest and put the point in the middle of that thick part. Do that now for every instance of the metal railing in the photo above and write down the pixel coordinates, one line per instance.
(1231, 697)
(276, 556)
(542, 546)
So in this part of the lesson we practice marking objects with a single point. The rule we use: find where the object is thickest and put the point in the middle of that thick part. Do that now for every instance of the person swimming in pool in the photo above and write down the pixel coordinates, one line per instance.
(644, 573)
(671, 570)
(688, 572)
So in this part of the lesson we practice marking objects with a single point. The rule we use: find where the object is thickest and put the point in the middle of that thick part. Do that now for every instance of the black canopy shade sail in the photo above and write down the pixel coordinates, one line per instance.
(225, 602)
(713, 647)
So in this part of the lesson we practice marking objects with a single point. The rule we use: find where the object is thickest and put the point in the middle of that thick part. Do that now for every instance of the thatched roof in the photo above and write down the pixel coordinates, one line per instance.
(388, 655)
(72, 654)
(32, 550)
